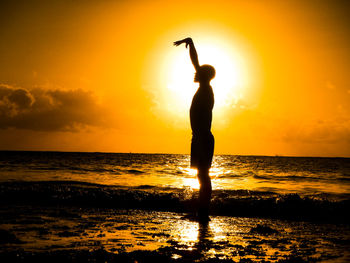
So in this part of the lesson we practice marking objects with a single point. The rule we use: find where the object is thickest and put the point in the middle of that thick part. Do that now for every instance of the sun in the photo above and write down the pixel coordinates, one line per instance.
(171, 76)
(227, 84)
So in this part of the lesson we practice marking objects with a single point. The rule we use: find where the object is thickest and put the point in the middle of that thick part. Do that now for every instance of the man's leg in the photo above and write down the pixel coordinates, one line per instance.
(204, 192)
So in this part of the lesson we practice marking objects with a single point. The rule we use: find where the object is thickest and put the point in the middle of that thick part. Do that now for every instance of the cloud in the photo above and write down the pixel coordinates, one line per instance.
(50, 110)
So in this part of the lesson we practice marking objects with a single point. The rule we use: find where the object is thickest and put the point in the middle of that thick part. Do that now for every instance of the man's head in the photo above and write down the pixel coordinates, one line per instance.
(204, 74)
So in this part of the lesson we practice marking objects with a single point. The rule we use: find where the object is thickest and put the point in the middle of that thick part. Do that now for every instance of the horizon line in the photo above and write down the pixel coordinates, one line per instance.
(252, 155)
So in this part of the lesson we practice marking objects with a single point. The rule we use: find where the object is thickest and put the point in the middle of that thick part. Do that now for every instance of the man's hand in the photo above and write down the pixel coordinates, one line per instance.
(193, 53)
(187, 41)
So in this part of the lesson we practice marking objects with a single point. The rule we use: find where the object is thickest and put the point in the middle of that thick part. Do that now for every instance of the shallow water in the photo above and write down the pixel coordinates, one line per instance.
(39, 229)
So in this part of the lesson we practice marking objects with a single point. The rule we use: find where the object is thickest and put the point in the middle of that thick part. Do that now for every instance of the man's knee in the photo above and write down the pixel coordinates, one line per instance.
(205, 183)
(203, 176)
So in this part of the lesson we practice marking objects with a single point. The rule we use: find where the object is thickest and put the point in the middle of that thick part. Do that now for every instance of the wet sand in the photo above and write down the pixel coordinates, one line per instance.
(60, 233)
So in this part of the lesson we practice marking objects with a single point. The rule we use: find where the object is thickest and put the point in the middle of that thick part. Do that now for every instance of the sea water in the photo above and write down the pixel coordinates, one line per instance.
(119, 202)
(282, 175)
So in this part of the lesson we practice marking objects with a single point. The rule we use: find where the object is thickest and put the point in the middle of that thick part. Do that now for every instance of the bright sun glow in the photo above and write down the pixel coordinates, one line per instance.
(227, 84)
(169, 75)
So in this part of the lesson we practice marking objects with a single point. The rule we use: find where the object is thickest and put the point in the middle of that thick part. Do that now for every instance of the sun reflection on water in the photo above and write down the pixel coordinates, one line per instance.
(203, 239)
(191, 180)
(186, 232)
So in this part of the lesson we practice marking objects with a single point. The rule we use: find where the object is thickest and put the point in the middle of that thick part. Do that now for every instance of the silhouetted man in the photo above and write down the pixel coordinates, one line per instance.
(202, 146)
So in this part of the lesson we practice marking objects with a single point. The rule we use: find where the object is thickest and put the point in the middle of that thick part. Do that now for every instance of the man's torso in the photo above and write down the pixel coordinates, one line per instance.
(201, 111)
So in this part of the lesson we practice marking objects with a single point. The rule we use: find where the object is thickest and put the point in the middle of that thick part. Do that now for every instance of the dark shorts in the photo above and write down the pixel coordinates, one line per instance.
(202, 150)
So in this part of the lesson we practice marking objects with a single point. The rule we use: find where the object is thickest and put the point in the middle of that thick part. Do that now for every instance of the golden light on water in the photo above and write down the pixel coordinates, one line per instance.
(193, 236)
(192, 181)
(188, 232)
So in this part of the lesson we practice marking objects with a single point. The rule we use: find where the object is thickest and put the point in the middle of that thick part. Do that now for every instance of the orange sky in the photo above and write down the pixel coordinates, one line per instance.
(104, 76)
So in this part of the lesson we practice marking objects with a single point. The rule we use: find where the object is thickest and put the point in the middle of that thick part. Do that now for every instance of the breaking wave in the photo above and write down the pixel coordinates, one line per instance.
(242, 203)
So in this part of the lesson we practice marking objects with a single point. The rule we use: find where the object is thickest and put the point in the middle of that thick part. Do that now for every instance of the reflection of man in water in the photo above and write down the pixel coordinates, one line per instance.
(202, 146)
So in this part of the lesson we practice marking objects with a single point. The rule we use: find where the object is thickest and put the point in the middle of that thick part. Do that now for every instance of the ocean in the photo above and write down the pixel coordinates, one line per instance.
(128, 202)
(305, 176)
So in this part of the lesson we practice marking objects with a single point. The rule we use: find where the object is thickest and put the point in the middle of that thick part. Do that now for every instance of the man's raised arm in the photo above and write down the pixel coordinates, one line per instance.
(193, 52)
